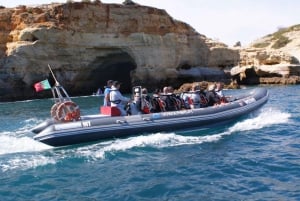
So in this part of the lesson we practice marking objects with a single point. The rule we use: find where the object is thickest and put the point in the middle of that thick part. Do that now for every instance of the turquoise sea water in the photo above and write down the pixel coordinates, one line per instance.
(254, 158)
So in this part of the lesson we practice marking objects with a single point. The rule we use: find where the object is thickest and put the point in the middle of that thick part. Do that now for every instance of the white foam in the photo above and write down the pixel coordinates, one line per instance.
(33, 120)
(27, 125)
(11, 144)
(267, 117)
(22, 153)
(158, 140)
(23, 163)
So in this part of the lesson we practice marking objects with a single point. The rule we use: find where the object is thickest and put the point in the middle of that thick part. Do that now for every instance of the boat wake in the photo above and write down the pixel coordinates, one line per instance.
(14, 147)
(12, 144)
(20, 151)
(265, 118)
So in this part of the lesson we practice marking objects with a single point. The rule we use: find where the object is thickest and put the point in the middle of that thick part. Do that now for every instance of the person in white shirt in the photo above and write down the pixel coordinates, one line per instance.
(219, 91)
(195, 97)
(117, 99)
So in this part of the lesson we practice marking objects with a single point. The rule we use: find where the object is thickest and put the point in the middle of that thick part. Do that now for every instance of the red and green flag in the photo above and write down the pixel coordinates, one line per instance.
(42, 85)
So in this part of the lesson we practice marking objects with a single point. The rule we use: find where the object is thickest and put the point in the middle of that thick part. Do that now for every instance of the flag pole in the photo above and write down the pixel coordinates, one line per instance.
(56, 82)
(58, 88)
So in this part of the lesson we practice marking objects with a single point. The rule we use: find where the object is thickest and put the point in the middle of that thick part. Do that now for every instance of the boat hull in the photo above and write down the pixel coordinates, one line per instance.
(101, 128)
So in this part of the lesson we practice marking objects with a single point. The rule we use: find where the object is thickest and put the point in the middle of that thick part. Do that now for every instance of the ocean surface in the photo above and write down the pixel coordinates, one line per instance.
(256, 157)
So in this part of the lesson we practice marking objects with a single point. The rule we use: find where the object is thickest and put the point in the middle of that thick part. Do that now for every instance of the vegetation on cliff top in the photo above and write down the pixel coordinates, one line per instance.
(277, 39)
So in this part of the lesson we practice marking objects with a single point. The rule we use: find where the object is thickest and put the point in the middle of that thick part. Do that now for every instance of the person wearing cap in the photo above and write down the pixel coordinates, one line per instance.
(117, 99)
(106, 101)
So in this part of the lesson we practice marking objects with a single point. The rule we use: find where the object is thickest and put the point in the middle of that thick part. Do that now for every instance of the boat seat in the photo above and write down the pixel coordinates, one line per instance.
(110, 111)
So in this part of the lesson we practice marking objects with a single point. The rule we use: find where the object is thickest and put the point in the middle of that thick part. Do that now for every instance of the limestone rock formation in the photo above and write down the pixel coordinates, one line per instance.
(273, 59)
(87, 43)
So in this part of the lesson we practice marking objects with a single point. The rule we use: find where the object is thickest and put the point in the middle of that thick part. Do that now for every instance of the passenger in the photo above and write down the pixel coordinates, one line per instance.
(99, 92)
(168, 99)
(157, 104)
(202, 94)
(156, 92)
(219, 88)
(137, 94)
(142, 101)
(165, 90)
(106, 101)
(185, 96)
(195, 97)
(212, 96)
(135, 106)
(146, 104)
(170, 90)
(219, 91)
(177, 100)
(117, 99)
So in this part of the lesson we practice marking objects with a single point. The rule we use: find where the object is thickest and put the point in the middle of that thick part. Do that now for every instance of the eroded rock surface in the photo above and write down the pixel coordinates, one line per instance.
(273, 59)
(88, 43)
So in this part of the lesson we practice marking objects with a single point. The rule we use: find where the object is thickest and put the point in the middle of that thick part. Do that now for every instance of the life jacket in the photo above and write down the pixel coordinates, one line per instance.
(186, 100)
(179, 103)
(223, 100)
(203, 100)
(111, 99)
(170, 102)
(212, 98)
(194, 100)
(190, 101)
(158, 105)
(146, 105)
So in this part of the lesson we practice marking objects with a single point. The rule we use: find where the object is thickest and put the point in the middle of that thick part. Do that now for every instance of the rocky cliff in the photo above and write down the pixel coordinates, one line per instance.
(89, 42)
(273, 59)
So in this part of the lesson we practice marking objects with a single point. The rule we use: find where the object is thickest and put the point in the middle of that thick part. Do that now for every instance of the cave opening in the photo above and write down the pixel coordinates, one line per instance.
(118, 65)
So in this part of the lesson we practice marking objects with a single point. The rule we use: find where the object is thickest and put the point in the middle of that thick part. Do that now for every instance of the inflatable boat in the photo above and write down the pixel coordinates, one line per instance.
(91, 128)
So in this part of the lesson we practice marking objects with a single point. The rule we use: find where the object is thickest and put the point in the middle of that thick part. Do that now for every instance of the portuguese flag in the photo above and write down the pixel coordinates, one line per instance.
(42, 85)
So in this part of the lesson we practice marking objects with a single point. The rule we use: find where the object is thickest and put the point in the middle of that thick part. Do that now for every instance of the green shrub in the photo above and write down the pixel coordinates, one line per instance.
(261, 45)
(281, 42)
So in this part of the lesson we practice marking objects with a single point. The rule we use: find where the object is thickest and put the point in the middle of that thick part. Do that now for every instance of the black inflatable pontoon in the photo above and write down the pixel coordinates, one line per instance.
(101, 127)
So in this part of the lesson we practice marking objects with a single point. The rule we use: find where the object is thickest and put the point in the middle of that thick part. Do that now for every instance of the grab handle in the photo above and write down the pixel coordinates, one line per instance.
(120, 121)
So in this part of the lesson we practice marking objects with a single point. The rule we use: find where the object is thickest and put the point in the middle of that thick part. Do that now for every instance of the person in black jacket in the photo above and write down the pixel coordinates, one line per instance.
(212, 96)
(156, 102)
(168, 98)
